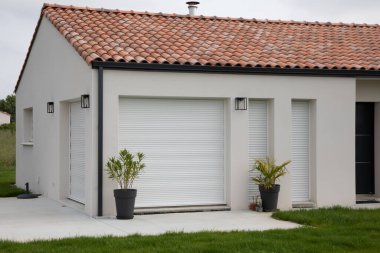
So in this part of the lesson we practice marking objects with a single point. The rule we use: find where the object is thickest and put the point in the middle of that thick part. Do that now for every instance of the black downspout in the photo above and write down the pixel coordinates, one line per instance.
(100, 141)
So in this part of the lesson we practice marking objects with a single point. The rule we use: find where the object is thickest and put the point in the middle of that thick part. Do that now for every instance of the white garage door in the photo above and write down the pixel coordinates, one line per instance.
(258, 139)
(77, 153)
(300, 166)
(184, 145)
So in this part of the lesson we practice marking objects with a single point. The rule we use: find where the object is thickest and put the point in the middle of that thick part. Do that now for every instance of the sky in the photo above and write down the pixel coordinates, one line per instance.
(18, 19)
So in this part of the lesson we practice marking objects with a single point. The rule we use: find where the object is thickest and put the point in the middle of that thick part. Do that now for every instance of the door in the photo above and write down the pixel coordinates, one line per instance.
(365, 148)
(300, 165)
(183, 141)
(77, 153)
(257, 139)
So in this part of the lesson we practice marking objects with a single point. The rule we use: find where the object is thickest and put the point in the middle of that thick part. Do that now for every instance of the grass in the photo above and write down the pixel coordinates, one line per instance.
(328, 230)
(7, 181)
(7, 164)
(7, 147)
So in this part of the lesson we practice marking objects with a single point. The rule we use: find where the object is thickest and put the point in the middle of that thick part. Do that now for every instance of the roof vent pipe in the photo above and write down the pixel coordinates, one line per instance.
(192, 7)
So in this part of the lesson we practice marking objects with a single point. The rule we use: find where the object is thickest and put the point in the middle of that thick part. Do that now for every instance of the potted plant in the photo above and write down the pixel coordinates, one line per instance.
(269, 172)
(124, 169)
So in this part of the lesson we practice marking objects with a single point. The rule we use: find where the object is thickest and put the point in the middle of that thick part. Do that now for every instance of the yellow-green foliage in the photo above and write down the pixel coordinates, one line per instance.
(269, 172)
(7, 147)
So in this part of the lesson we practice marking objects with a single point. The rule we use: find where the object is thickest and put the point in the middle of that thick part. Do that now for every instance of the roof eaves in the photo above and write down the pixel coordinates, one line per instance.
(238, 70)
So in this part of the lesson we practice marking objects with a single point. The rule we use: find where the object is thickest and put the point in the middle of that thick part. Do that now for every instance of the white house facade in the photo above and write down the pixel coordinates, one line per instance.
(199, 149)
(5, 118)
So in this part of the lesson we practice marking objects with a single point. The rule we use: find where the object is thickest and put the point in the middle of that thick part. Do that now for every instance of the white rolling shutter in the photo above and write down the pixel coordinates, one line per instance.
(183, 141)
(258, 139)
(77, 153)
(300, 166)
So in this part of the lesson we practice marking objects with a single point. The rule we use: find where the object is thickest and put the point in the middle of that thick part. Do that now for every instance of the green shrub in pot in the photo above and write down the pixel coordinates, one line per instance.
(124, 169)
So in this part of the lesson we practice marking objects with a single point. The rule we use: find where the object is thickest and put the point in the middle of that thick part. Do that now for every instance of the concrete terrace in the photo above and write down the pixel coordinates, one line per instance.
(42, 218)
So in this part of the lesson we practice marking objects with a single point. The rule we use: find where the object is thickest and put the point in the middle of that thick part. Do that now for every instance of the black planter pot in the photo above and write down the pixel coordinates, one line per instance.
(269, 197)
(125, 203)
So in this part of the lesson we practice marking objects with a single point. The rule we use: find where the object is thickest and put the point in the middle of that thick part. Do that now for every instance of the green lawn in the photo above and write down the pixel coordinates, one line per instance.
(7, 147)
(328, 230)
(7, 164)
(7, 180)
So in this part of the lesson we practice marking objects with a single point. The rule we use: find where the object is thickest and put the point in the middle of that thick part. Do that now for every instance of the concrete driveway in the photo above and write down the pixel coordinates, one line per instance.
(42, 218)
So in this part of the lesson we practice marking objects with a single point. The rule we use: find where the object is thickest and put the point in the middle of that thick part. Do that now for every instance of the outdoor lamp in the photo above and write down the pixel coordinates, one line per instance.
(85, 101)
(50, 107)
(241, 103)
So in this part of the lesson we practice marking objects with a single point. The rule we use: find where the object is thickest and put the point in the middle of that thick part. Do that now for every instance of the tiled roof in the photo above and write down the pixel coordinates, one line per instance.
(142, 37)
(127, 36)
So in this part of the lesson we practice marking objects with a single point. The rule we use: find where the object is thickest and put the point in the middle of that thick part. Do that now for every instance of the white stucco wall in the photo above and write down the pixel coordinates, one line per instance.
(54, 72)
(368, 90)
(5, 118)
(333, 130)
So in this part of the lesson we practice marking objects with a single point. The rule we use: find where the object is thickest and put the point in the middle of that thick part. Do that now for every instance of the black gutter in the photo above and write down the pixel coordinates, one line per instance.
(237, 70)
(100, 141)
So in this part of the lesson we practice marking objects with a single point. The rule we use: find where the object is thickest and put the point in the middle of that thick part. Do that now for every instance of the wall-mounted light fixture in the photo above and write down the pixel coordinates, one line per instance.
(85, 101)
(241, 103)
(50, 107)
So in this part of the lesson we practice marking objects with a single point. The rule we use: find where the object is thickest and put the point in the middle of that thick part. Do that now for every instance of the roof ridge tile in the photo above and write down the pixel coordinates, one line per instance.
(327, 23)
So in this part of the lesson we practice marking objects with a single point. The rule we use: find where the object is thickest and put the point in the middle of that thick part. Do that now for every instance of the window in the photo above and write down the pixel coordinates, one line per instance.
(257, 140)
(28, 125)
(300, 166)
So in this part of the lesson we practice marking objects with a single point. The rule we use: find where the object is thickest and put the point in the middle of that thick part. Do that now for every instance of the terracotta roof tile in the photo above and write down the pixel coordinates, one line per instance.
(128, 36)
(142, 37)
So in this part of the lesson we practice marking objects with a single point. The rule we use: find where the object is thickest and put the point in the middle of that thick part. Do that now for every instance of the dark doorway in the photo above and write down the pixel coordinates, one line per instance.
(365, 148)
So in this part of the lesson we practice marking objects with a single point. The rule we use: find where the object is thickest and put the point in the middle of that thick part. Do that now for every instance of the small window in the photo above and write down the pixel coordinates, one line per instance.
(28, 125)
